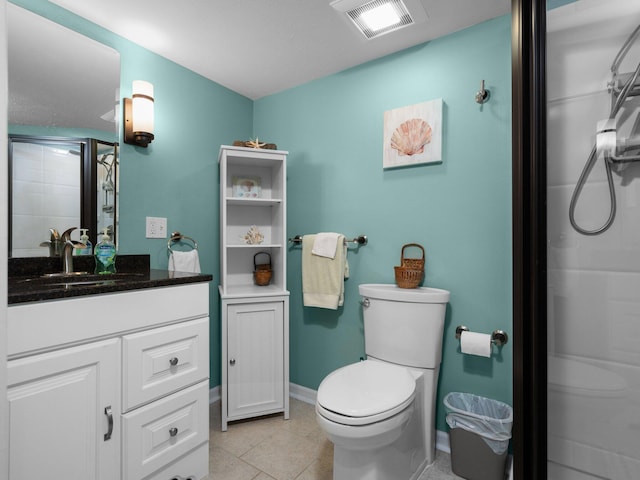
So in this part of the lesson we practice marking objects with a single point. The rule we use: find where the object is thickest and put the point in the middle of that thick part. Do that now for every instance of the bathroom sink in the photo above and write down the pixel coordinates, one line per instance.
(78, 278)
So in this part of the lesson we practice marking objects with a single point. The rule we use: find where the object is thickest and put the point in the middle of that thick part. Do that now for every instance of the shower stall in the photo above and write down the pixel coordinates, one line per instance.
(593, 240)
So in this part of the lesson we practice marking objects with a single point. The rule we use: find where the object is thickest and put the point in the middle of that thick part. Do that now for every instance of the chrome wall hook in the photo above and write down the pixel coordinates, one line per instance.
(482, 95)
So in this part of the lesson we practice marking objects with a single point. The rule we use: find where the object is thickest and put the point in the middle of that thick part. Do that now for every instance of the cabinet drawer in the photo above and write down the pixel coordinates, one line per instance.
(164, 360)
(193, 466)
(159, 433)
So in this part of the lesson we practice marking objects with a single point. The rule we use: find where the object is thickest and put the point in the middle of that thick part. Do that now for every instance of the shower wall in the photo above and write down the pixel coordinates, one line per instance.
(46, 194)
(593, 281)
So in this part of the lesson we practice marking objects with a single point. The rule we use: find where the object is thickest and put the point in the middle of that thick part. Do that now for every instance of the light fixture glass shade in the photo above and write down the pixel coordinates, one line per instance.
(142, 99)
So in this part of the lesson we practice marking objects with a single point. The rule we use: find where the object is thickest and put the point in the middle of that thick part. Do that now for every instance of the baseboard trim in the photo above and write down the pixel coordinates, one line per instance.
(303, 394)
(214, 394)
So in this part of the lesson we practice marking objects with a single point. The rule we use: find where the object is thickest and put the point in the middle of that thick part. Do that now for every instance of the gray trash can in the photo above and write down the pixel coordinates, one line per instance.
(479, 433)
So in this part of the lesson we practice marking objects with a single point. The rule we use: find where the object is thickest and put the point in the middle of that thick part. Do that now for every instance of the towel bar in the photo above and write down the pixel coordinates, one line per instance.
(360, 240)
(178, 237)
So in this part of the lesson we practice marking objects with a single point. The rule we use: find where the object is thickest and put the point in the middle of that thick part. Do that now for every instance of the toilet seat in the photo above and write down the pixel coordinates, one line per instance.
(365, 392)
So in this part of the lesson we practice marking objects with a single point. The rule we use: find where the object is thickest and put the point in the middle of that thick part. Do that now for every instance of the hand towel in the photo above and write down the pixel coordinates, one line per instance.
(323, 277)
(184, 261)
(325, 244)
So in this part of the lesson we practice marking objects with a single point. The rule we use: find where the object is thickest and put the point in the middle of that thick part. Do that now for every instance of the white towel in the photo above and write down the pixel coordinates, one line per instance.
(184, 261)
(323, 277)
(325, 244)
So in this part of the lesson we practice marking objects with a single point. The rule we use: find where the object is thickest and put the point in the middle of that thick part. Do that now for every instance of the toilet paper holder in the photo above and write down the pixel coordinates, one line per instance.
(498, 337)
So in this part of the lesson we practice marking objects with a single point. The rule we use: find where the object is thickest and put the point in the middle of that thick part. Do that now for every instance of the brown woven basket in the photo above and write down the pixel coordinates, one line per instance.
(411, 270)
(262, 273)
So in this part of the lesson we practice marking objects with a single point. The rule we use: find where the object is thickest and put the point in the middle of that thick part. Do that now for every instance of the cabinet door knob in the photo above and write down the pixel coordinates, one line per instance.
(232, 361)
(173, 431)
(109, 414)
(173, 361)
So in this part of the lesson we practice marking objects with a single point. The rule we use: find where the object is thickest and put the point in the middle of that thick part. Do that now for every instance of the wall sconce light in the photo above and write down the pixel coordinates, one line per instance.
(138, 114)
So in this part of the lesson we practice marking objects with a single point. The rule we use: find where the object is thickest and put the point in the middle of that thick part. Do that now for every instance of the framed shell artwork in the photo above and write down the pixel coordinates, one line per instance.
(246, 187)
(413, 135)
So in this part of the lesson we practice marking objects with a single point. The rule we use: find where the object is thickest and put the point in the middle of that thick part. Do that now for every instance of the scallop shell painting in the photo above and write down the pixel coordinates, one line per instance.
(413, 135)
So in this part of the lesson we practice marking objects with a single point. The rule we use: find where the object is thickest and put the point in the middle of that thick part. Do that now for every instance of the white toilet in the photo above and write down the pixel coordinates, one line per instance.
(379, 413)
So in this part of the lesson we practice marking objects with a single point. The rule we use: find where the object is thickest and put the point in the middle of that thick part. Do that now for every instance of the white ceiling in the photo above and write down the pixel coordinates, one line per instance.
(260, 47)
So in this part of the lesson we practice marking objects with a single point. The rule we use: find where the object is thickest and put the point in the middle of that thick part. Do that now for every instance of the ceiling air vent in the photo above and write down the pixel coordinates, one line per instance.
(378, 17)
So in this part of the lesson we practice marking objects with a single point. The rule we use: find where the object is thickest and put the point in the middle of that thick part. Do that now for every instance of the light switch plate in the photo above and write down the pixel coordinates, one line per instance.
(156, 227)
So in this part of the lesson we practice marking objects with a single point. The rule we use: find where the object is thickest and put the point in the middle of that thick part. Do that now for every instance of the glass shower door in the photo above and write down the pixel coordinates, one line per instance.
(593, 242)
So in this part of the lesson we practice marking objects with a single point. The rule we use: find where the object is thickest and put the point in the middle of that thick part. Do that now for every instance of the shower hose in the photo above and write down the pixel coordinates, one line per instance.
(593, 156)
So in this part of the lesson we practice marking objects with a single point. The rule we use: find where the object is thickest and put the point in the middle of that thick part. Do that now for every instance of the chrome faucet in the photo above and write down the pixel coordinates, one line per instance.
(67, 251)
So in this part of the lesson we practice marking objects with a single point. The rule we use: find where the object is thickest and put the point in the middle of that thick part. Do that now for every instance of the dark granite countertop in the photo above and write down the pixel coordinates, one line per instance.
(27, 284)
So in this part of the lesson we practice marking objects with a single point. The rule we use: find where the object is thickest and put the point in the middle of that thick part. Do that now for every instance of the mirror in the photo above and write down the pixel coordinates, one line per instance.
(58, 183)
(64, 91)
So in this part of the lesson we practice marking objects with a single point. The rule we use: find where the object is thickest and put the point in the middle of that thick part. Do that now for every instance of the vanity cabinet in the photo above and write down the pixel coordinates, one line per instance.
(255, 318)
(64, 410)
(112, 386)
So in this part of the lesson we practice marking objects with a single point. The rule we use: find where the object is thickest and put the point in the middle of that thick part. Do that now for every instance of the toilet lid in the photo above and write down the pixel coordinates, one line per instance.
(366, 388)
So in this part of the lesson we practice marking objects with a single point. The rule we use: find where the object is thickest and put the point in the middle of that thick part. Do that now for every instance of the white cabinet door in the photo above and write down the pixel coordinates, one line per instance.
(255, 358)
(64, 413)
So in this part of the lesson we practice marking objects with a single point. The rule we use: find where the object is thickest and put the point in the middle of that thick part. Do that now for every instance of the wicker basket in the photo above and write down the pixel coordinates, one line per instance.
(411, 270)
(262, 272)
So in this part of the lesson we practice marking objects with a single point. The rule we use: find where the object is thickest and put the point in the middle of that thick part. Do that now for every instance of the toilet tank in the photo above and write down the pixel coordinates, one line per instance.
(404, 326)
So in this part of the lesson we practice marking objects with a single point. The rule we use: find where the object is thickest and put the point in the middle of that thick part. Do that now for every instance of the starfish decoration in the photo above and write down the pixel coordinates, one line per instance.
(255, 143)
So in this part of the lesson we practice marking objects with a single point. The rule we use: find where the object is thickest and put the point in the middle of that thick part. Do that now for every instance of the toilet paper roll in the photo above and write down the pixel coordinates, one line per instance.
(473, 343)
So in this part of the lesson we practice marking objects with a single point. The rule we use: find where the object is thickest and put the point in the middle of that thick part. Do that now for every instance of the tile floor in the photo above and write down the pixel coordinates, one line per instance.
(270, 448)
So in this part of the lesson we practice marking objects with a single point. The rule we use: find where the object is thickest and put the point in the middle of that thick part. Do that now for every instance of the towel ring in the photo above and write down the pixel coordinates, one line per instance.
(178, 237)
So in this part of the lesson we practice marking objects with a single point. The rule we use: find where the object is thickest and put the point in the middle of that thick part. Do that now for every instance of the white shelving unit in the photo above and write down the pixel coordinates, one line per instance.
(255, 319)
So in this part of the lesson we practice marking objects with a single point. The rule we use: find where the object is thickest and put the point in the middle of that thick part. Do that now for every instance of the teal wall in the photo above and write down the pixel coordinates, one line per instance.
(459, 210)
(177, 175)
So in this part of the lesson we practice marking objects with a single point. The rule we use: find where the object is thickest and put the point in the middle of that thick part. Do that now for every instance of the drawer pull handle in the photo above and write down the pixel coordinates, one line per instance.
(232, 362)
(109, 414)
(173, 431)
(173, 361)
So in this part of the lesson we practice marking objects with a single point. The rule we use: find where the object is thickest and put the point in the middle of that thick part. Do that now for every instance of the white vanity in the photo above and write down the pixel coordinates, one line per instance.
(111, 386)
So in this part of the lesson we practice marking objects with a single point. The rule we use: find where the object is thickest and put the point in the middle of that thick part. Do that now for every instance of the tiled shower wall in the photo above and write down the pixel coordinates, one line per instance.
(46, 194)
(593, 281)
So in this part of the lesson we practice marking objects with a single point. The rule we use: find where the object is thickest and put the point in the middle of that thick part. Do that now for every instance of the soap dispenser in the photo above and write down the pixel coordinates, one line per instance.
(84, 239)
(105, 253)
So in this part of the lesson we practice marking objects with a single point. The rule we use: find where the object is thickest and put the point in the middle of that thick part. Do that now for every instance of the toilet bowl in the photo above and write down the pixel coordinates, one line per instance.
(366, 405)
(379, 413)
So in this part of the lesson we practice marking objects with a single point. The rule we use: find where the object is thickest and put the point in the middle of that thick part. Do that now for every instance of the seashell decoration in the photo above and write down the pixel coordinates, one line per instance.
(411, 137)
(253, 236)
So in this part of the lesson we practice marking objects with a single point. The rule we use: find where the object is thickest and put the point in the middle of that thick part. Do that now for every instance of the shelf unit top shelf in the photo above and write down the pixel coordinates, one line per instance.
(251, 155)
